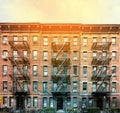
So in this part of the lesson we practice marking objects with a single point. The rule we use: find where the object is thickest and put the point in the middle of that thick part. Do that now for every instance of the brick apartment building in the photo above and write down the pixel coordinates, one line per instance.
(59, 65)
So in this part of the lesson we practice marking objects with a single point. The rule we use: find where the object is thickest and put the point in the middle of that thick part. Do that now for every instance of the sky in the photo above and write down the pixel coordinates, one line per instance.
(61, 11)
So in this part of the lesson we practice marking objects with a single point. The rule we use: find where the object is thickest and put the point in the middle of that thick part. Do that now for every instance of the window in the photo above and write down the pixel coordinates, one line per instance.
(114, 53)
(114, 87)
(84, 102)
(45, 70)
(75, 102)
(35, 39)
(84, 71)
(54, 86)
(15, 39)
(35, 70)
(11, 102)
(65, 70)
(65, 40)
(94, 70)
(85, 41)
(45, 87)
(104, 40)
(25, 54)
(5, 40)
(104, 71)
(104, 54)
(45, 41)
(35, 55)
(54, 70)
(84, 86)
(5, 86)
(45, 102)
(75, 70)
(25, 86)
(75, 55)
(104, 86)
(55, 39)
(5, 70)
(35, 102)
(15, 85)
(45, 55)
(15, 55)
(54, 54)
(5, 54)
(94, 86)
(51, 102)
(15, 70)
(114, 102)
(113, 70)
(113, 40)
(75, 41)
(94, 54)
(25, 70)
(28, 101)
(5, 101)
(75, 86)
(35, 86)
(85, 56)
(90, 102)
(68, 102)
(94, 39)
(25, 38)
(65, 54)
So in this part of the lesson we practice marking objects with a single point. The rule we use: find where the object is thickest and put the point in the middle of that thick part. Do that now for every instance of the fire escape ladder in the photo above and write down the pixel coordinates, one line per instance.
(61, 65)
(101, 77)
(19, 62)
(61, 62)
(60, 50)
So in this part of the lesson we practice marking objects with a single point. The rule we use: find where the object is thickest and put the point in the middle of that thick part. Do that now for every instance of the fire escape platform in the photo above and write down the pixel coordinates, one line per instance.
(101, 46)
(59, 77)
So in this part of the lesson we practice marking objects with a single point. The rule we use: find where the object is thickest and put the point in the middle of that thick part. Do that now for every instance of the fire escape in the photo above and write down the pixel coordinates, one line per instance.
(20, 74)
(101, 75)
(61, 73)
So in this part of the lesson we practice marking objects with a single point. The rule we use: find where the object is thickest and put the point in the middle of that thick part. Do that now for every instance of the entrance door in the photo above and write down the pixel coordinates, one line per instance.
(20, 102)
(59, 103)
(100, 103)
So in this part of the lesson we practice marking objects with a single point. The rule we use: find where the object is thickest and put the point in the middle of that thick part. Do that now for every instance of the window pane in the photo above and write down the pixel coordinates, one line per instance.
(28, 101)
(35, 70)
(75, 102)
(35, 102)
(45, 41)
(113, 40)
(35, 86)
(44, 101)
(51, 102)
(5, 40)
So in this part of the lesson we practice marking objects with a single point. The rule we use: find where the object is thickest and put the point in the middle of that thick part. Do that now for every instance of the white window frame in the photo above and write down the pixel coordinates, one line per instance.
(45, 41)
(45, 70)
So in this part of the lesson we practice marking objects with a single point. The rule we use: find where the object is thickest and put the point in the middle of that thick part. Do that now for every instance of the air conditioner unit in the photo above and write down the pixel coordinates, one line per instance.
(4, 73)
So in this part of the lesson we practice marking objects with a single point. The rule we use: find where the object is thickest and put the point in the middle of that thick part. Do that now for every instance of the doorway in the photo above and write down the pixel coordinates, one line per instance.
(20, 102)
(59, 103)
(100, 103)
